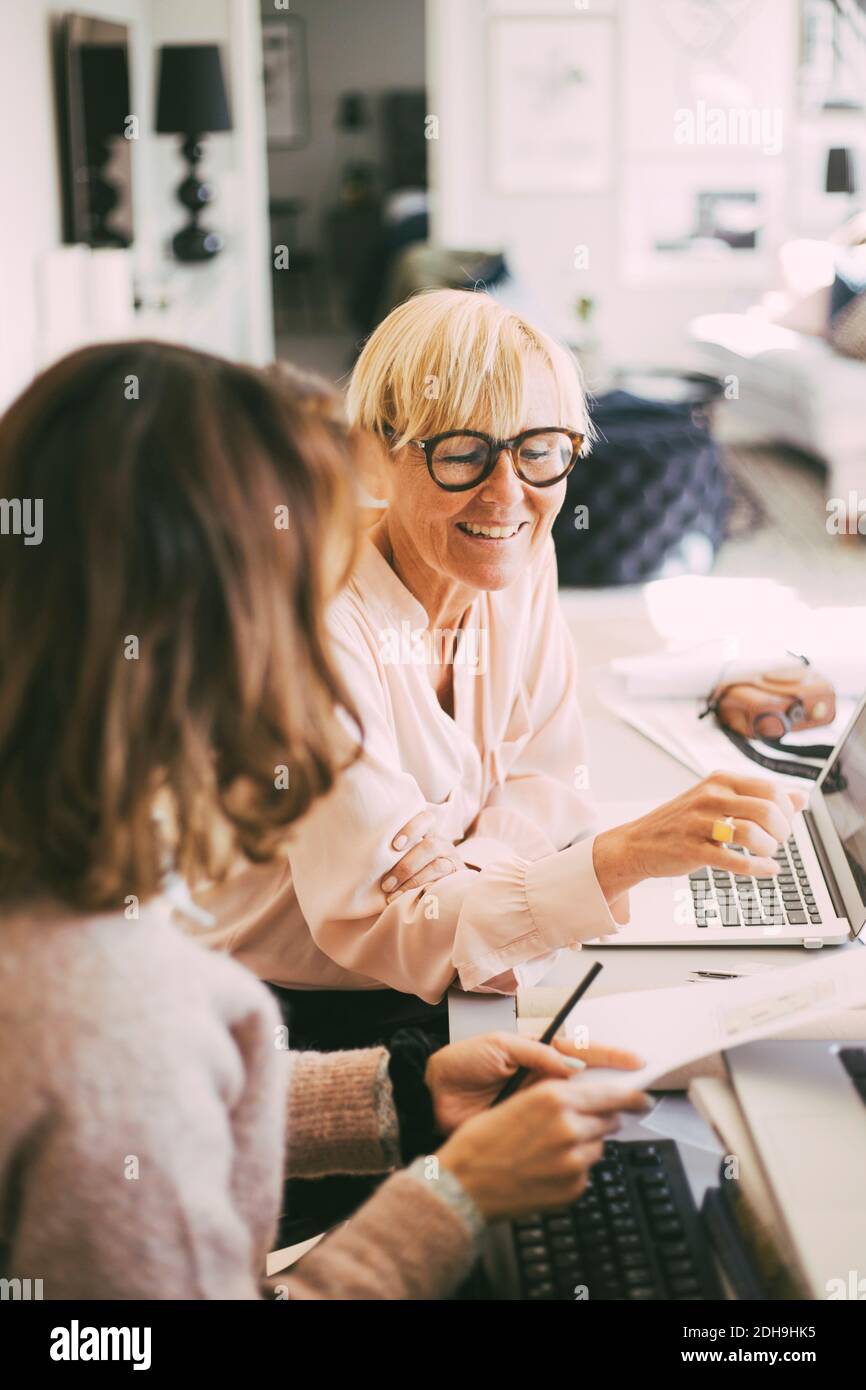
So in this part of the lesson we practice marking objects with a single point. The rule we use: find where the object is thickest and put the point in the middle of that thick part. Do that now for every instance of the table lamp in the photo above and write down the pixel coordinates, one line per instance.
(840, 172)
(192, 102)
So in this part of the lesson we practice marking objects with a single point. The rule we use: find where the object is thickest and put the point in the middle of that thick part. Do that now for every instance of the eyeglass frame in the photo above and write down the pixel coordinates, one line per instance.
(496, 447)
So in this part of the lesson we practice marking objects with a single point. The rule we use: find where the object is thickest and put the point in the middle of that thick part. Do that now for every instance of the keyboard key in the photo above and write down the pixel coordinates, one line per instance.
(542, 1290)
(628, 1241)
(797, 919)
(668, 1228)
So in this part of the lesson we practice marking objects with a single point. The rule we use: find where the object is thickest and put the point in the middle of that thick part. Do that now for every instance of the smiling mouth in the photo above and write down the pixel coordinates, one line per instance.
(491, 533)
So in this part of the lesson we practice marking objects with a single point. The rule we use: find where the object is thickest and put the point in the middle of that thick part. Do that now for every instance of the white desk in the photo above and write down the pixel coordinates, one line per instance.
(625, 766)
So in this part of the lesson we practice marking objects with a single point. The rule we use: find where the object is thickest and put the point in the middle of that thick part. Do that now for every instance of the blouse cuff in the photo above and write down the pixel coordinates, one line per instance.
(565, 897)
(341, 1116)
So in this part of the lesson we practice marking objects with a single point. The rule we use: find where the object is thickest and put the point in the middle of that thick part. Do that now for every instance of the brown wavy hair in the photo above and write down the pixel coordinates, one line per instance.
(166, 639)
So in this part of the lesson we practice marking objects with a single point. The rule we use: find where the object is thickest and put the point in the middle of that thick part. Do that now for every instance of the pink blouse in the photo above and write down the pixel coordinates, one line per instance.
(505, 778)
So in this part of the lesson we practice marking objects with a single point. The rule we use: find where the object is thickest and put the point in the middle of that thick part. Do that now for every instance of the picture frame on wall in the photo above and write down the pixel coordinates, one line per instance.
(700, 225)
(286, 81)
(832, 66)
(550, 102)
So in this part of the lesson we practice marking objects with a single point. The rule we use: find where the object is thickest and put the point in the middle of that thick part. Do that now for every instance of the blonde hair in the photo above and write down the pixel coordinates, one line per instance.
(447, 358)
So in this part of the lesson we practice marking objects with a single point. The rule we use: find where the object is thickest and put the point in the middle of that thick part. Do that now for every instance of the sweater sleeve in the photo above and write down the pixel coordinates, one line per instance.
(341, 1116)
(405, 1243)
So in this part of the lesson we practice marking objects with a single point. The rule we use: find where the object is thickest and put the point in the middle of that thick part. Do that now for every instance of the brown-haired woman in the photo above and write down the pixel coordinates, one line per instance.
(167, 706)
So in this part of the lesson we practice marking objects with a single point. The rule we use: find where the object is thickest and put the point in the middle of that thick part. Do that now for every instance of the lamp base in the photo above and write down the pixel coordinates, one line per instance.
(194, 243)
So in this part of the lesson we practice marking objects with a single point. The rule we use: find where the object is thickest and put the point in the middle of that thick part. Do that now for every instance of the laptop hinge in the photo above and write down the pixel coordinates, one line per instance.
(829, 876)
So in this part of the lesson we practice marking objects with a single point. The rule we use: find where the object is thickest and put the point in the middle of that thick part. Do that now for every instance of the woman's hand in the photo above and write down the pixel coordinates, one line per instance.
(536, 1149)
(427, 857)
(678, 836)
(464, 1077)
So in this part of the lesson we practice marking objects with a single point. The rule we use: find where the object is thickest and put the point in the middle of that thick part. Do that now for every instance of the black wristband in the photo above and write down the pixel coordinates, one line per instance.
(410, 1049)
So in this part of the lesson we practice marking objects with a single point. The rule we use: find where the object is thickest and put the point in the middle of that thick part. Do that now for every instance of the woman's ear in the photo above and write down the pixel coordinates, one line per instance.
(374, 469)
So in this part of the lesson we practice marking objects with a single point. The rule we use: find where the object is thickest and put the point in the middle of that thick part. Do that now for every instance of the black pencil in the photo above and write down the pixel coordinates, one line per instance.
(551, 1031)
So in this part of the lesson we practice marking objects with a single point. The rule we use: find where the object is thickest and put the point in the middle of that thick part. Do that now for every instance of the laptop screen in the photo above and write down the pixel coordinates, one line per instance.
(843, 784)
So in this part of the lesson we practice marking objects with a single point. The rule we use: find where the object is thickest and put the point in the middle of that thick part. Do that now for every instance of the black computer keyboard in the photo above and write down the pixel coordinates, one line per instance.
(853, 1059)
(634, 1234)
(723, 899)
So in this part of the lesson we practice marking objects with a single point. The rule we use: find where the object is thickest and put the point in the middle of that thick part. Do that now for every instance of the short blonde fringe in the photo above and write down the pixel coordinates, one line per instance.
(451, 358)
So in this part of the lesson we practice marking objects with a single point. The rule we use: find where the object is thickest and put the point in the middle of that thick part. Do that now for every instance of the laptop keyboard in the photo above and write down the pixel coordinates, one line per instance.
(723, 899)
(633, 1235)
(853, 1059)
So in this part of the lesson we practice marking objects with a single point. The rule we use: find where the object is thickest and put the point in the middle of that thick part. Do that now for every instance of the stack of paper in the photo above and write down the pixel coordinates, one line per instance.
(671, 1028)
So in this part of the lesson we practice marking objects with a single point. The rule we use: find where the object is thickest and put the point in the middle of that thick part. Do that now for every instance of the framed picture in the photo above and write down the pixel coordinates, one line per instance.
(832, 69)
(701, 225)
(287, 98)
(550, 103)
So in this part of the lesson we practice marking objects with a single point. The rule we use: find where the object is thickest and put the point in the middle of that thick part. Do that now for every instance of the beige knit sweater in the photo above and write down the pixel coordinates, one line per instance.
(144, 1108)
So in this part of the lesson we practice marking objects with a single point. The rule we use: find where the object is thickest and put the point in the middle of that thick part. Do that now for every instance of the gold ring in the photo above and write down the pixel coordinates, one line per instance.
(723, 830)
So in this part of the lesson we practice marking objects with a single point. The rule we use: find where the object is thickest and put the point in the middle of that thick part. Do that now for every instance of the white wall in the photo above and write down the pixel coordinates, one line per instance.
(655, 73)
(30, 196)
(30, 203)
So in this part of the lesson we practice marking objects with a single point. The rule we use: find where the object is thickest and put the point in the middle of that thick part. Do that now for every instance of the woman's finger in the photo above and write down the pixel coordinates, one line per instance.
(765, 814)
(595, 1097)
(754, 864)
(431, 873)
(432, 847)
(599, 1055)
(520, 1051)
(414, 830)
(750, 836)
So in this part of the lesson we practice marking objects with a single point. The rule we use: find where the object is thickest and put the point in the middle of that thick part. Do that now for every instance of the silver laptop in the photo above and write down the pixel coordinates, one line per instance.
(805, 1105)
(818, 899)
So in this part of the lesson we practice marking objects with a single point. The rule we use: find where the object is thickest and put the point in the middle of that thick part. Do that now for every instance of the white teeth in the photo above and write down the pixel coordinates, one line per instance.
(496, 533)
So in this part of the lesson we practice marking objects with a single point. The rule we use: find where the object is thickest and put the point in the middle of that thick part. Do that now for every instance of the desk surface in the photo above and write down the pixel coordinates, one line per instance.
(626, 766)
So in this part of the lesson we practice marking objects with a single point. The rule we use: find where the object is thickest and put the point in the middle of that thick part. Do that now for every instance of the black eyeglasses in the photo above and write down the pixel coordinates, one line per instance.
(461, 459)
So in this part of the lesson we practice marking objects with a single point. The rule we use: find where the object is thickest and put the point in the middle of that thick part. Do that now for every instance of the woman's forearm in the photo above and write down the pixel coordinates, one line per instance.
(405, 1243)
(615, 863)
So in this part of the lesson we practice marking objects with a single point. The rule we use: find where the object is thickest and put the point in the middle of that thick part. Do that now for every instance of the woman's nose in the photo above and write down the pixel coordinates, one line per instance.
(503, 484)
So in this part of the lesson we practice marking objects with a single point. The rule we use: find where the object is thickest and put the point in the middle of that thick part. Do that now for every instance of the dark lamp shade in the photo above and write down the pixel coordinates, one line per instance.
(191, 90)
(105, 84)
(840, 172)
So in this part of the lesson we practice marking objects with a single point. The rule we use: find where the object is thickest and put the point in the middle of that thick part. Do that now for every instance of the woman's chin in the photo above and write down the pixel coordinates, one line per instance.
(493, 573)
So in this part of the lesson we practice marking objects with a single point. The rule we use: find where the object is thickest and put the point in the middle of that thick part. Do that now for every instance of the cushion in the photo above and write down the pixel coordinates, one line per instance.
(848, 328)
(849, 280)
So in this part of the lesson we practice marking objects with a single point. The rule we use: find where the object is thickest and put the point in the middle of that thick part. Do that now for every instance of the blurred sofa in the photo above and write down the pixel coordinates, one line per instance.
(786, 382)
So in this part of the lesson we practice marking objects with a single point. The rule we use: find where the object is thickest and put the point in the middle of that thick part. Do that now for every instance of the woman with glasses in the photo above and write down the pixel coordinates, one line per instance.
(460, 847)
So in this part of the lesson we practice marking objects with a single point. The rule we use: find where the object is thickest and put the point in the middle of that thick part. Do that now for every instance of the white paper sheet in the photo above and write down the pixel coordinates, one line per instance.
(670, 1028)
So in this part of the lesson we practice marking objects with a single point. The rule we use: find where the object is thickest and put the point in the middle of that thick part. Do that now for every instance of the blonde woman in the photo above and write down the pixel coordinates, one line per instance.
(450, 639)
